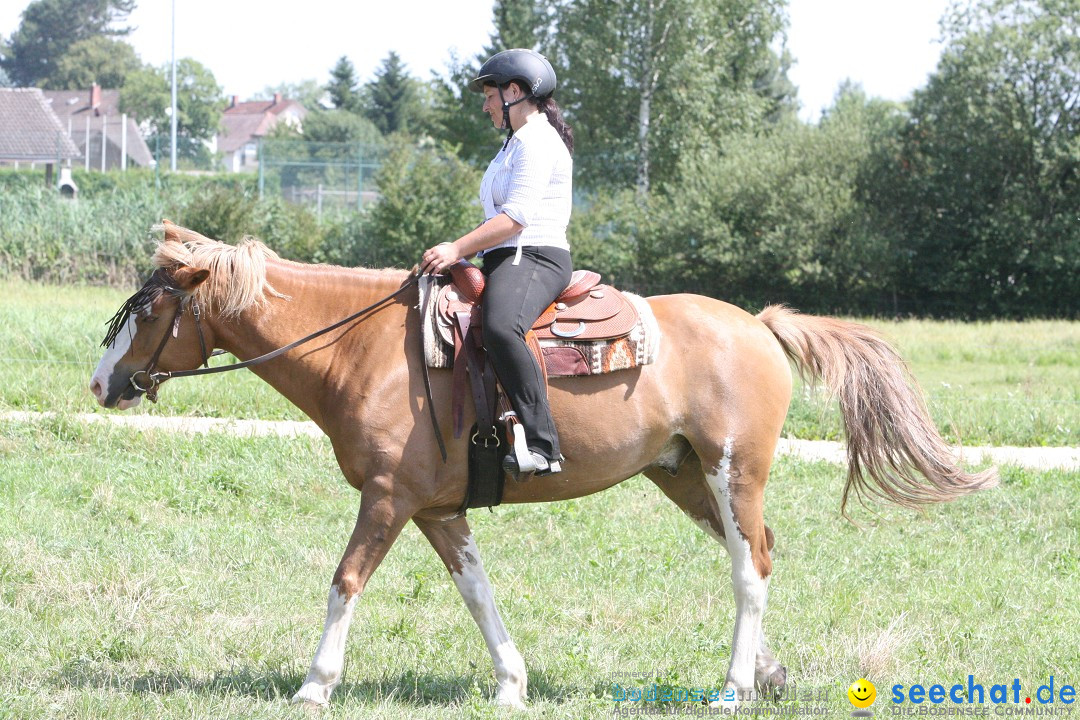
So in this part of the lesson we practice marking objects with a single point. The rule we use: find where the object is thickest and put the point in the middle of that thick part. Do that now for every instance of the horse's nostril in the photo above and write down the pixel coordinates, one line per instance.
(95, 388)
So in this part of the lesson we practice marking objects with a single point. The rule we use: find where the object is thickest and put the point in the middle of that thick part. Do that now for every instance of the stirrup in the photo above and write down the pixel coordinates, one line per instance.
(536, 465)
(523, 463)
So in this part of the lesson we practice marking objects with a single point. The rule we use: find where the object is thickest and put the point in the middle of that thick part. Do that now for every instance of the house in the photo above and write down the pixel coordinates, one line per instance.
(83, 114)
(30, 132)
(244, 123)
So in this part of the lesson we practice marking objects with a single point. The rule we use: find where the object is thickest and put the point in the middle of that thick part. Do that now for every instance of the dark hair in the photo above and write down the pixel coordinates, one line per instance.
(551, 109)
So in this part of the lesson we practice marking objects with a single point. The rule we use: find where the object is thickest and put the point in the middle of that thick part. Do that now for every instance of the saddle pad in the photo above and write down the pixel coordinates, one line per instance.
(564, 357)
(567, 358)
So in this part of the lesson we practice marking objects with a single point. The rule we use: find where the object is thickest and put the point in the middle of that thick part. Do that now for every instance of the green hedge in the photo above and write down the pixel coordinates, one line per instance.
(103, 236)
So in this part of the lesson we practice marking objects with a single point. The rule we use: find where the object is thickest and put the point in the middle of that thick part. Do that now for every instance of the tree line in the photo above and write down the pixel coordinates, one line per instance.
(693, 171)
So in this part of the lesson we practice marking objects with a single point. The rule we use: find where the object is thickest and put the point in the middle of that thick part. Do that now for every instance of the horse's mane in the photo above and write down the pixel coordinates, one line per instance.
(237, 272)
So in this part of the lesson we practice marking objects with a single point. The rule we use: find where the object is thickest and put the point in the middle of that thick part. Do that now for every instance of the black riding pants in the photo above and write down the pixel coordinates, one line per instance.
(514, 297)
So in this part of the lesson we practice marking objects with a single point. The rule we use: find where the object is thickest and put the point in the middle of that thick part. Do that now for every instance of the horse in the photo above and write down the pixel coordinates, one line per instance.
(702, 422)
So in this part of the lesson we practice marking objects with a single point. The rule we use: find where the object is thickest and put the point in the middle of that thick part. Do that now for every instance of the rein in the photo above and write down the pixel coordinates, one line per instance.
(156, 378)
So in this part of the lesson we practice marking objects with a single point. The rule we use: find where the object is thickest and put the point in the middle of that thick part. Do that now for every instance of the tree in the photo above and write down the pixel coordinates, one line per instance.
(308, 93)
(652, 80)
(456, 118)
(49, 28)
(777, 216)
(990, 165)
(520, 24)
(392, 99)
(199, 99)
(97, 59)
(340, 126)
(427, 196)
(343, 85)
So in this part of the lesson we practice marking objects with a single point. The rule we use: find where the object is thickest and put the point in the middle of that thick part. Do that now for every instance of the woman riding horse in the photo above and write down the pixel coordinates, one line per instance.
(526, 197)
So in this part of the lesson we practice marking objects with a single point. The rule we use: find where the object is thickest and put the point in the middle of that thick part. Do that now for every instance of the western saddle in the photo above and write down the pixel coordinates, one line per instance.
(585, 310)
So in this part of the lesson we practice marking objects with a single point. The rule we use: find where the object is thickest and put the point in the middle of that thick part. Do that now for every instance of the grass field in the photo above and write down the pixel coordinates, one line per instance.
(150, 575)
(999, 383)
(147, 575)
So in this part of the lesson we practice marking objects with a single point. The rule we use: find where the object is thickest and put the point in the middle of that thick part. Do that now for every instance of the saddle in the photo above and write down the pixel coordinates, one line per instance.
(590, 329)
(585, 310)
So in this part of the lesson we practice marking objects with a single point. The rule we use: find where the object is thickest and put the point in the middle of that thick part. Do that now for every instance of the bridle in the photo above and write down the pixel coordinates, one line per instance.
(153, 379)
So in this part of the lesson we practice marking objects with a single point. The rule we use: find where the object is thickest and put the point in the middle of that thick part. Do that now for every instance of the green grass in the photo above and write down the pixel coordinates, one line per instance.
(152, 575)
(51, 344)
(998, 383)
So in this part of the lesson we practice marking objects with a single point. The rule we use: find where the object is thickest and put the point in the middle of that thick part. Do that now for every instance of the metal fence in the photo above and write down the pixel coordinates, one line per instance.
(320, 174)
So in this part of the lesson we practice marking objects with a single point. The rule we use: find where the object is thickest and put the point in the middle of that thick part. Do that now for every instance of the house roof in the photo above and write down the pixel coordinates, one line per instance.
(257, 107)
(94, 101)
(243, 121)
(236, 130)
(30, 130)
(74, 107)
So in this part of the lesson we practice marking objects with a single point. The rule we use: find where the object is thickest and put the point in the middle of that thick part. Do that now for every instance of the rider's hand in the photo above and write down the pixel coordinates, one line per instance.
(439, 258)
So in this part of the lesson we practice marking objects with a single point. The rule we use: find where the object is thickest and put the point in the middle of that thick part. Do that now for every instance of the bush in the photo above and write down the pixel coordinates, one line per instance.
(428, 196)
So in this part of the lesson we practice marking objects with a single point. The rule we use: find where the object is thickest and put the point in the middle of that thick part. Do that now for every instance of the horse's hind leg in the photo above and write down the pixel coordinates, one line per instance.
(692, 492)
(453, 541)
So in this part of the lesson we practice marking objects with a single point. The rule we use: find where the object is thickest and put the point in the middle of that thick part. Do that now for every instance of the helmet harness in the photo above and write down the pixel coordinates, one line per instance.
(506, 111)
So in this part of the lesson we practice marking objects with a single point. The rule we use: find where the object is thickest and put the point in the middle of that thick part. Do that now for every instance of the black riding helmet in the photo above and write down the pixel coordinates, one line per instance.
(528, 66)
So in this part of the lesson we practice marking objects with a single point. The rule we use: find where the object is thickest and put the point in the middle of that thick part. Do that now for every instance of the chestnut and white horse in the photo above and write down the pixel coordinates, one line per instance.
(702, 422)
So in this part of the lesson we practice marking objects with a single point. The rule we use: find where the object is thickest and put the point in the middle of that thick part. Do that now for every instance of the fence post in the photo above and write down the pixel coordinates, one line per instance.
(123, 141)
(262, 159)
(104, 143)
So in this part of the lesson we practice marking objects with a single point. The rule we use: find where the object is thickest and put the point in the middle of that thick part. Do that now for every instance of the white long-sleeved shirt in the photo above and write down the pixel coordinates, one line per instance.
(531, 182)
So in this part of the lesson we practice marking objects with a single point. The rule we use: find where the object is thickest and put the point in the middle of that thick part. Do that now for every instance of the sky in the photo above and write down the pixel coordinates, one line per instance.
(887, 46)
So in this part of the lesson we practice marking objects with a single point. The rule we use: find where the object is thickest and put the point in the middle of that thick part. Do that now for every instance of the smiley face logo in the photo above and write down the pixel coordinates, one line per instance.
(862, 693)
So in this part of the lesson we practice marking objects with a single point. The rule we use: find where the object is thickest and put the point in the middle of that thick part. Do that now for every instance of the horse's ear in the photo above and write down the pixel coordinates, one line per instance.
(188, 278)
(172, 230)
(176, 233)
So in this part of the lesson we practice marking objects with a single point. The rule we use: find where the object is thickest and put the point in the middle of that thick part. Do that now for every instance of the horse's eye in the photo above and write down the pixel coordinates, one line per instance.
(150, 318)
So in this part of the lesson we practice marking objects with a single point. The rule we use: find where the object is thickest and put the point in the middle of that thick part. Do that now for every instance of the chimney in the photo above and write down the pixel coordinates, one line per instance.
(277, 98)
(232, 103)
(95, 97)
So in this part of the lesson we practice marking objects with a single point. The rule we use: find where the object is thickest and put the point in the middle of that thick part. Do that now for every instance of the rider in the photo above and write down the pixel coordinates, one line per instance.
(526, 197)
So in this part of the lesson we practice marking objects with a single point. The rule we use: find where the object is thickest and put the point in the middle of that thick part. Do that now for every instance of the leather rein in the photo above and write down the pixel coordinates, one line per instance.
(154, 379)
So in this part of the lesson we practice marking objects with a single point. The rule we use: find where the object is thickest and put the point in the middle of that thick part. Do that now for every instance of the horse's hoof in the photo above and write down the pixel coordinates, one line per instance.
(510, 701)
(312, 706)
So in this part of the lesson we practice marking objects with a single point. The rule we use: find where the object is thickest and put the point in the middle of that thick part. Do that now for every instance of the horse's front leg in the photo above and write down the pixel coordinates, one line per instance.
(378, 524)
(453, 540)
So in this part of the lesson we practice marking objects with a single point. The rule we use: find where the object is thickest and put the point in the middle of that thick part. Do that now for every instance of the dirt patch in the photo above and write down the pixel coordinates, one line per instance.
(1037, 458)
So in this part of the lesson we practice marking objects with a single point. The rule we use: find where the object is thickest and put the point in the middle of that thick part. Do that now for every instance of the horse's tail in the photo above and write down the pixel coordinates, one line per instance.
(891, 440)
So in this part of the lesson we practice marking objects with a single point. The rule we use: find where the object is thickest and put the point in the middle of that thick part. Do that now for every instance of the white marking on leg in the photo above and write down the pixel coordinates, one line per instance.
(704, 525)
(99, 382)
(750, 588)
(472, 583)
(326, 667)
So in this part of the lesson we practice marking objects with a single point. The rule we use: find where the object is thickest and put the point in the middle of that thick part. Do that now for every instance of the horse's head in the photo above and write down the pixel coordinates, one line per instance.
(155, 330)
